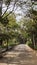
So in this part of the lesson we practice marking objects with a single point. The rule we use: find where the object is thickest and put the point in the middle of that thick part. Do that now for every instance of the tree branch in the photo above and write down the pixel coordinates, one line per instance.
(5, 11)
(12, 9)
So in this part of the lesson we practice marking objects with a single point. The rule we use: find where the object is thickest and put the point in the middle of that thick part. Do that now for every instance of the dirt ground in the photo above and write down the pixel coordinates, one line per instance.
(20, 55)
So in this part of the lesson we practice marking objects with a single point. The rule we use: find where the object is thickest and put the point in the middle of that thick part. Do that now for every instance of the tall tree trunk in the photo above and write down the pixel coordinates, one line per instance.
(1, 42)
(7, 44)
(34, 41)
(1, 7)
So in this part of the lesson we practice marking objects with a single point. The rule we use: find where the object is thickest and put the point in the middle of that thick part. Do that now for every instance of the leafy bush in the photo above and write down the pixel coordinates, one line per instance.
(36, 47)
(29, 43)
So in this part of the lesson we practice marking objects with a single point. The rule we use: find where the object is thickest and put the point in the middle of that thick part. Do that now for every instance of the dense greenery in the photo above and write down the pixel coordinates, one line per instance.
(22, 32)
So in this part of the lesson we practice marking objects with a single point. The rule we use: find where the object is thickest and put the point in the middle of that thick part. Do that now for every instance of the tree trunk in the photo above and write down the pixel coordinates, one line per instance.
(7, 44)
(34, 41)
(1, 42)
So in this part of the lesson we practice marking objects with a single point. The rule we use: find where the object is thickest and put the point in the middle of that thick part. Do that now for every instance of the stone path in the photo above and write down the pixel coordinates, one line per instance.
(20, 55)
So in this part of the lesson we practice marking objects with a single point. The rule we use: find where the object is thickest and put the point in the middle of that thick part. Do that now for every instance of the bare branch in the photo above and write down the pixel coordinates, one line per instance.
(12, 9)
(5, 11)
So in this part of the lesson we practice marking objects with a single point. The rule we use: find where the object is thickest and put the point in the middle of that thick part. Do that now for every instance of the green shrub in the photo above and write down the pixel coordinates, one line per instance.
(36, 47)
(29, 43)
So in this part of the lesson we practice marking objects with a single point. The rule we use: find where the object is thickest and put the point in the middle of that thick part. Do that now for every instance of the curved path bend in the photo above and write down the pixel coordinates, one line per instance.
(20, 55)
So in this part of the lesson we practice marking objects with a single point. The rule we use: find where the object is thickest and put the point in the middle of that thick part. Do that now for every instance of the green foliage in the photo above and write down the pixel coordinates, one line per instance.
(29, 43)
(7, 2)
(22, 31)
(12, 20)
(36, 47)
(7, 26)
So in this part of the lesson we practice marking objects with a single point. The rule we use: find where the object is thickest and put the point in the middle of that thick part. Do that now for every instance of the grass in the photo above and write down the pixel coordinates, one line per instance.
(9, 44)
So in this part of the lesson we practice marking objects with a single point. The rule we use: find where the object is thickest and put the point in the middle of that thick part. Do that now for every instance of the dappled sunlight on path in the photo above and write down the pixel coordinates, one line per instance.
(20, 55)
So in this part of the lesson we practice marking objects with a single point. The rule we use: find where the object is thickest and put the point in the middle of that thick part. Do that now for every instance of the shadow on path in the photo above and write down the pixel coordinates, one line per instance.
(21, 55)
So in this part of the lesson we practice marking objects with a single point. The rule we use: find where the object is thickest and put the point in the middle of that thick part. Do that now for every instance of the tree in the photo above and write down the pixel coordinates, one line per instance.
(34, 17)
(4, 16)
(8, 24)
